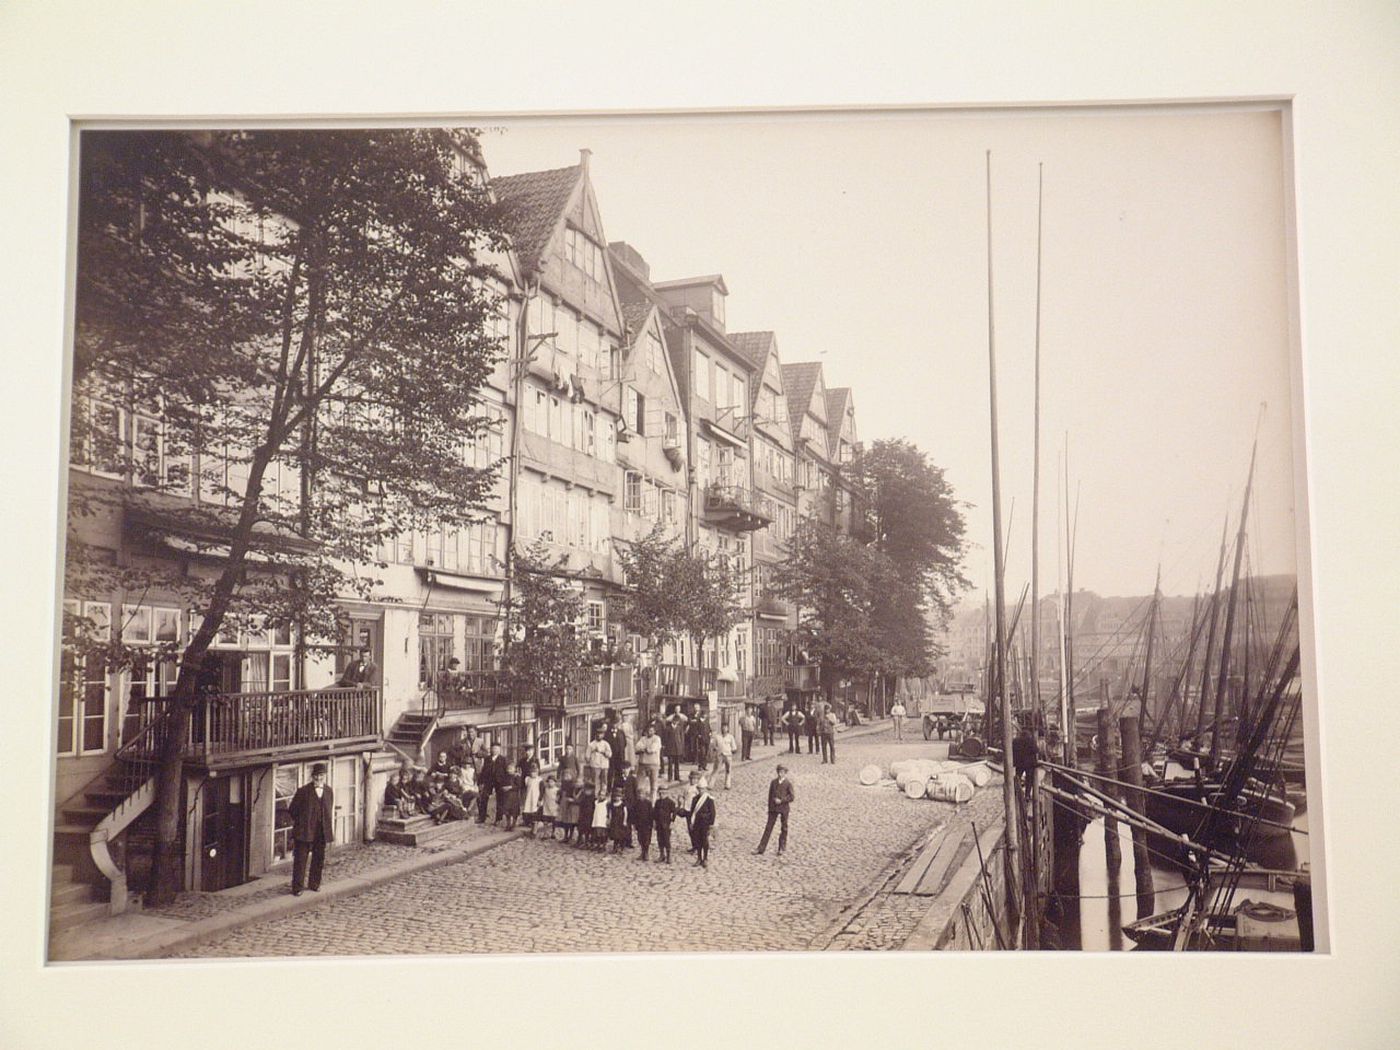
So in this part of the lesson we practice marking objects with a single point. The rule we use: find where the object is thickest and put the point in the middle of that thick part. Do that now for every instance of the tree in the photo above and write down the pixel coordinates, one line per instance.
(546, 656)
(674, 592)
(838, 583)
(911, 516)
(309, 314)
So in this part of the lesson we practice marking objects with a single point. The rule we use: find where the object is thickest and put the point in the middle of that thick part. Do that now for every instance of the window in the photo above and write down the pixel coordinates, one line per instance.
(566, 325)
(84, 685)
(636, 407)
(673, 430)
(481, 643)
(700, 379)
(549, 742)
(590, 345)
(632, 492)
(583, 253)
(596, 620)
(99, 441)
(668, 507)
(721, 394)
(434, 645)
(590, 432)
(653, 352)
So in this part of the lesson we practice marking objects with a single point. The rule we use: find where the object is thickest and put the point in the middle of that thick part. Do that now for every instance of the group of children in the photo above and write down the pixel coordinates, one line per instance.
(611, 821)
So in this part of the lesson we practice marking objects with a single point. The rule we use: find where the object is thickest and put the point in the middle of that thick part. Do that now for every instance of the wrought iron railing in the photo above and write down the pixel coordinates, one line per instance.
(466, 691)
(679, 680)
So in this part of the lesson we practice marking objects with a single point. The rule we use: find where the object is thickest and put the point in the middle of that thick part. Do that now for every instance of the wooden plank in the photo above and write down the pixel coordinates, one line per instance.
(921, 864)
(932, 879)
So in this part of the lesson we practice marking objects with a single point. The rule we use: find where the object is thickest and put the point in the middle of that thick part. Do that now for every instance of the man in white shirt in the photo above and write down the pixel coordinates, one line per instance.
(725, 746)
(897, 713)
(599, 758)
(649, 762)
(748, 724)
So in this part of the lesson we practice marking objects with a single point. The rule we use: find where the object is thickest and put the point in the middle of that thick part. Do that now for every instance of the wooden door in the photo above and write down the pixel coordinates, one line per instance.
(345, 782)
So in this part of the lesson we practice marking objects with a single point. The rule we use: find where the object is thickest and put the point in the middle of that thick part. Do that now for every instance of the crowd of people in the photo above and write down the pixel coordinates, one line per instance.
(624, 792)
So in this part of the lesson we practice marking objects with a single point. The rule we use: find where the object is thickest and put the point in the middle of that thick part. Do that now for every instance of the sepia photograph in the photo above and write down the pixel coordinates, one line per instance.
(811, 532)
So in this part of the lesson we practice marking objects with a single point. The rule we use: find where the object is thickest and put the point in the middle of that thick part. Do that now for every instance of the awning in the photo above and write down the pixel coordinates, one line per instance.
(457, 582)
(715, 430)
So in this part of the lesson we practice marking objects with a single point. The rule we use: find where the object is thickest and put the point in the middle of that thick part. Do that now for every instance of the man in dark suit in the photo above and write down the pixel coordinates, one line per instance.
(780, 798)
(313, 814)
(700, 820)
(493, 777)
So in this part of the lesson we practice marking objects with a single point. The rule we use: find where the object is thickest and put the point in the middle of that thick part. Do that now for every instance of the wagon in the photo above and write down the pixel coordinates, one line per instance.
(950, 715)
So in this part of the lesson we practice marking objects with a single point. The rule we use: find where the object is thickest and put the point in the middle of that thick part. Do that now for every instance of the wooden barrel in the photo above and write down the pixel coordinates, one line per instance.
(972, 746)
(949, 787)
(870, 775)
(915, 788)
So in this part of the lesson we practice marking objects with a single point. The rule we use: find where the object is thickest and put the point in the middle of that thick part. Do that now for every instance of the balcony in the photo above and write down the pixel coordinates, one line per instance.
(678, 680)
(735, 507)
(467, 691)
(231, 728)
(802, 676)
(603, 686)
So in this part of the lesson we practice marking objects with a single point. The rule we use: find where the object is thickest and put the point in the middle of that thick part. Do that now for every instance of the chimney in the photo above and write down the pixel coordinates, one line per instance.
(632, 258)
(583, 156)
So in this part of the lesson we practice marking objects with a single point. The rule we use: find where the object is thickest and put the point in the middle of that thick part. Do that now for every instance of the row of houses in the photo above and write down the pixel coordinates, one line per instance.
(623, 402)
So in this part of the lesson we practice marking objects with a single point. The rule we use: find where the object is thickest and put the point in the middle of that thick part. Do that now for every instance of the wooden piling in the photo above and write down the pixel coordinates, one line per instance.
(1113, 852)
(1130, 734)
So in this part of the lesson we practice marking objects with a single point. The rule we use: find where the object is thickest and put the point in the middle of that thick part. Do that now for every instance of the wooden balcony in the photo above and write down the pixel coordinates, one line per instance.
(232, 728)
(678, 680)
(603, 686)
(731, 690)
(735, 507)
(466, 691)
(802, 676)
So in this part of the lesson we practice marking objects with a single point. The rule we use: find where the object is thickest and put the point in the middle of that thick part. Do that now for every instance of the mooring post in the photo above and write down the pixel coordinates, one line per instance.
(1131, 737)
(1113, 852)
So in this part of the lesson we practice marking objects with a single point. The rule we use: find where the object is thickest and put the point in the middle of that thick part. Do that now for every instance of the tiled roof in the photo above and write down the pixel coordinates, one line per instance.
(836, 399)
(535, 200)
(756, 346)
(632, 294)
(799, 380)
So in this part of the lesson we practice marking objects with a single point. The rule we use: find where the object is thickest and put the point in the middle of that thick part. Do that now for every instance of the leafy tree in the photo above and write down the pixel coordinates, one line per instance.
(911, 516)
(674, 592)
(310, 313)
(838, 583)
(545, 656)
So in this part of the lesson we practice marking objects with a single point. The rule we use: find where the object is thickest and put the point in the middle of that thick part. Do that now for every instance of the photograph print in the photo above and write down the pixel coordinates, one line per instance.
(791, 532)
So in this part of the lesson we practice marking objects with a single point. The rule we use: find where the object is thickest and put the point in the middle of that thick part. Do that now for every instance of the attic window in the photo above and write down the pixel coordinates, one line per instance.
(583, 253)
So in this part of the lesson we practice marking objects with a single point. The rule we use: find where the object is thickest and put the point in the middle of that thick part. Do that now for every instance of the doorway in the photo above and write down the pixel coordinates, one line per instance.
(223, 833)
(345, 783)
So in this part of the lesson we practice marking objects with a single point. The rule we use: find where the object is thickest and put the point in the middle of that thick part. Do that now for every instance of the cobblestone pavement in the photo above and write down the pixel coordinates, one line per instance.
(537, 896)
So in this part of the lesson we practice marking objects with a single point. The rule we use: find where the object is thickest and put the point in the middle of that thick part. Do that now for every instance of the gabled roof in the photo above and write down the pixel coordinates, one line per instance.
(799, 380)
(756, 347)
(637, 302)
(837, 398)
(535, 200)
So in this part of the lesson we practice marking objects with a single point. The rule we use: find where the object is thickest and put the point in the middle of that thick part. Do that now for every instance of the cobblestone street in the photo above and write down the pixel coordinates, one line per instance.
(538, 896)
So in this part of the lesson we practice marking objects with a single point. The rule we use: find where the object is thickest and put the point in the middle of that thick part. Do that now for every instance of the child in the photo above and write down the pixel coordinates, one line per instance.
(618, 828)
(530, 806)
(640, 814)
(568, 808)
(583, 814)
(661, 816)
(599, 823)
(549, 805)
(687, 794)
(510, 796)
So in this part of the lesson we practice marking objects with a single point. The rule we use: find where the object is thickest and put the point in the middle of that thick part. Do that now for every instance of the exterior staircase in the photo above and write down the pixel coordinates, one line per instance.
(410, 735)
(417, 830)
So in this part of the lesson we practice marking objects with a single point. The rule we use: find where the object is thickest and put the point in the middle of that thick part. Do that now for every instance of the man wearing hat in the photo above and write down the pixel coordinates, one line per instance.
(780, 798)
(312, 810)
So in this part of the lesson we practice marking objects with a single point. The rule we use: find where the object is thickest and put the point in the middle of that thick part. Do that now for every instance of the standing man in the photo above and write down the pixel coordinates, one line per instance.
(673, 744)
(792, 721)
(313, 812)
(724, 747)
(767, 715)
(495, 774)
(828, 734)
(649, 762)
(780, 799)
(747, 724)
(813, 725)
(700, 820)
(701, 726)
(897, 713)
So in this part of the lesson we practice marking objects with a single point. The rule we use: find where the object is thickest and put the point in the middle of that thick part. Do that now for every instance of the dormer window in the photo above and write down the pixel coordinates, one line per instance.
(717, 306)
(583, 253)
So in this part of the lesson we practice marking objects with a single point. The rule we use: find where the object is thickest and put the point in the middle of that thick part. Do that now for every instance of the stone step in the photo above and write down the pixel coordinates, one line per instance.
(63, 873)
(416, 837)
(89, 816)
(67, 916)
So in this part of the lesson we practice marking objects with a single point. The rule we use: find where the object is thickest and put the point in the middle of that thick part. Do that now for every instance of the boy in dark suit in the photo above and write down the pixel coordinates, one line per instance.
(313, 813)
(780, 799)
(700, 820)
(661, 816)
(641, 814)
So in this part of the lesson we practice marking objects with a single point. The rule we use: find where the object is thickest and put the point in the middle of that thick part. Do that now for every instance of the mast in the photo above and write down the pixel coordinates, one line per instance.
(1210, 637)
(1159, 725)
(1035, 484)
(1071, 528)
(1222, 679)
(1147, 658)
(1066, 725)
(1008, 773)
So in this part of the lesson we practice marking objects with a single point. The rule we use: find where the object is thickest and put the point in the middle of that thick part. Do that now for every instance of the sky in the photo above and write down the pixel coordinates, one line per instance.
(861, 240)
